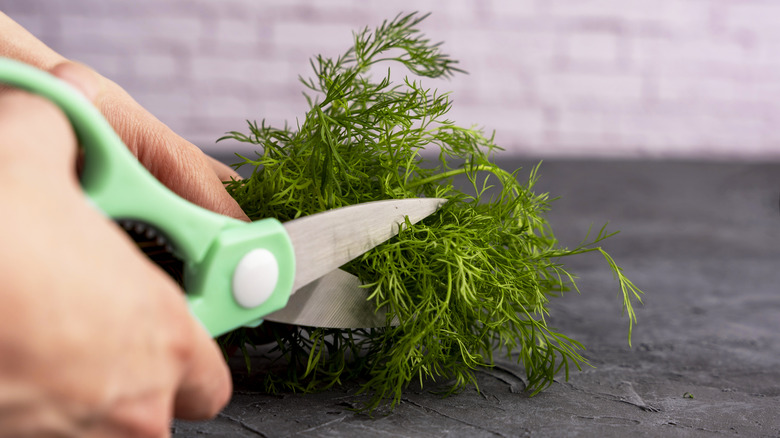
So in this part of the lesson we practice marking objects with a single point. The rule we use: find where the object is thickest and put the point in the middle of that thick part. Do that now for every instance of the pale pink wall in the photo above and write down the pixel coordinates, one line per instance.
(679, 78)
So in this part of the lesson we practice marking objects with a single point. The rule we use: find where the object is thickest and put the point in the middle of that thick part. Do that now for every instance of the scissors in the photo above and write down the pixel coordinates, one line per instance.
(234, 273)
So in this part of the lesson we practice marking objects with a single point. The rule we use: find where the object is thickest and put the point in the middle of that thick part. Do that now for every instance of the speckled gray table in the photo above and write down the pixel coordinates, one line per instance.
(701, 239)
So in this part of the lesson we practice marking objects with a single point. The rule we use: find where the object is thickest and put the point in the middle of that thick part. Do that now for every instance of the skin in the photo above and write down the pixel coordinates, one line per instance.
(95, 340)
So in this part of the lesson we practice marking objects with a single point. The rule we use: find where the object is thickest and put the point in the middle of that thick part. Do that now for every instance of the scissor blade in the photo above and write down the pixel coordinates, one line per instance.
(334, 300)
(322, 242)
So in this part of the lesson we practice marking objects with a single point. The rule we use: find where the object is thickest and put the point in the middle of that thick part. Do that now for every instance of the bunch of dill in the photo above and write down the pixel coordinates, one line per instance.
(473, 279)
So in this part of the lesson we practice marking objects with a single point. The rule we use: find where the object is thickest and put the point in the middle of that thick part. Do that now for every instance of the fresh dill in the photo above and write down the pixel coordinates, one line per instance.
(472, 280)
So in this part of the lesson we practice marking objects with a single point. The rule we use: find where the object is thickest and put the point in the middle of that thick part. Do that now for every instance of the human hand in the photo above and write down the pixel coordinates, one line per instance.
(177, 163)
(94, 339)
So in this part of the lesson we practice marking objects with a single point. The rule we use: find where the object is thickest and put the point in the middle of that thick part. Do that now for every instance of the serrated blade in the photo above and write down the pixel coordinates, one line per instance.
(324, 296)
(315, 304)
(322, 242)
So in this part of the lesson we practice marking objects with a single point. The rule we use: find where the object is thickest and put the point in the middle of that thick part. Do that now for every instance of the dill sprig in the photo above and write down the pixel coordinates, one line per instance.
(472, 280)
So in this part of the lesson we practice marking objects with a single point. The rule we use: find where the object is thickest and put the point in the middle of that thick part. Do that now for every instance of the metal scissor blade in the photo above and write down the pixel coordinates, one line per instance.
(322, 242)
(334, 300)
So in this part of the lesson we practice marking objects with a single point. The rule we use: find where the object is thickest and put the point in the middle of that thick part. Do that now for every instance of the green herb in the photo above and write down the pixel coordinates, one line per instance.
(471, 280)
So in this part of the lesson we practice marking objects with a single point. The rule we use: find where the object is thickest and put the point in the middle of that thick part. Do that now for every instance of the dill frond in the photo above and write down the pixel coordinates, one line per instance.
(472, 280)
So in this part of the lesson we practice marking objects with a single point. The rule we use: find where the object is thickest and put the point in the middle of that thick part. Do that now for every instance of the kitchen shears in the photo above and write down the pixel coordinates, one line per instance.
(234, 273)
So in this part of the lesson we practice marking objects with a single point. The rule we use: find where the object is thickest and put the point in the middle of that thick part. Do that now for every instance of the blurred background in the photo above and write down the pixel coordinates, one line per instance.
(682, 79)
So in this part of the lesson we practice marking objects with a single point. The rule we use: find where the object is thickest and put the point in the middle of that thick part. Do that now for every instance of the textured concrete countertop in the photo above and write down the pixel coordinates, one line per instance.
(701, 239)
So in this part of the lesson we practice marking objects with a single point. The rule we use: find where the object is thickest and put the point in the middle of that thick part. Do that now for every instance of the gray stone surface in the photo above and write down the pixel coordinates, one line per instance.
(701, 239)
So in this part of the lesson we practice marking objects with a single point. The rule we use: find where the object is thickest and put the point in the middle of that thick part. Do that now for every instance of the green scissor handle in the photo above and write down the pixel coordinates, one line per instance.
(234, 272)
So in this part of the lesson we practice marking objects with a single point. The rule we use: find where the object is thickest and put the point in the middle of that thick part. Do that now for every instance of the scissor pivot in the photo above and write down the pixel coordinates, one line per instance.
(255, 278)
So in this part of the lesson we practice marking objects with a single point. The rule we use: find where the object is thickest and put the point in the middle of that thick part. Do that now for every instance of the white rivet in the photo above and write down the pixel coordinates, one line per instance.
(255, 278)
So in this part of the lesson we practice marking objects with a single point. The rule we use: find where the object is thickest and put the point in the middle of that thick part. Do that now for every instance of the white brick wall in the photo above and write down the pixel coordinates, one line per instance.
(628, 78)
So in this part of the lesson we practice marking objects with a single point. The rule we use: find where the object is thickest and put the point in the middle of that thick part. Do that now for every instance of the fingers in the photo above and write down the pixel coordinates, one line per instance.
(223, 171)
(177, 163)
(35, 131)
(198, 177)
(148, 416)
(28, 121)
(186, 170)
(81, 77)
(206, 387)
(189, 377)
(22, 114)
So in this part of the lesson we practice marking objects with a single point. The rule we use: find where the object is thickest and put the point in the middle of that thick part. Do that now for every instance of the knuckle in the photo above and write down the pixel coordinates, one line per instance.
(179, 336)
(221, 398)
(152, 427)
(213, 404)
(137, 419)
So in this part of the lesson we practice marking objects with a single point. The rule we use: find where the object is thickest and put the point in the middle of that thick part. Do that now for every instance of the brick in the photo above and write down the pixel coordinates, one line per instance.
(702, 57)
(36, 24)
(246, 71)
(648, 52)
(108, 65)
(512, 10)
(466, 44)
(523, 49)
(139, 34)
(681, 89)
(626, 10)
(695, 133)
(515, 122)
(221, 106)
(278, 111)
(171, 106)
(651, 130)
(157, 66)
(649, 78)
(600, 47)
(727, 132)
(754, 15)
(75, 46)
(207, 128)
(314, 38)
(683, 16)
(560, 88)
(133, 27)
(459, 12)
(590, 124)
(33, 7)
(763, 91)
(234, 32)
(508, 88)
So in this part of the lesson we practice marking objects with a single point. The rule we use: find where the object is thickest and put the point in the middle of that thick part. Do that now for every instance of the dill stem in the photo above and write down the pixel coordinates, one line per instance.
(501, 173)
